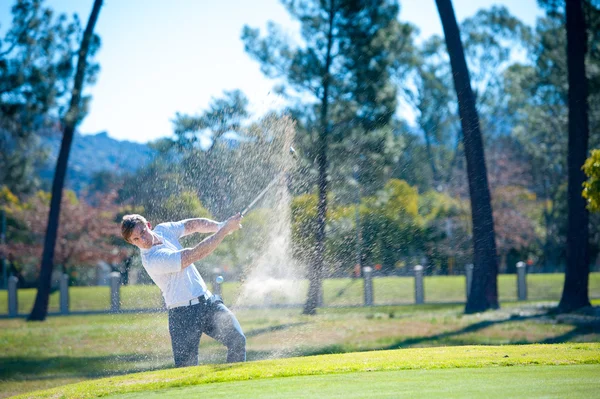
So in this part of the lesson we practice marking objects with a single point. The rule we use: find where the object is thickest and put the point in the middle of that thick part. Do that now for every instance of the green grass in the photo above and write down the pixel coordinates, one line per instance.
(337, 292)
(489, 359)
(580, 381)
(62, 350)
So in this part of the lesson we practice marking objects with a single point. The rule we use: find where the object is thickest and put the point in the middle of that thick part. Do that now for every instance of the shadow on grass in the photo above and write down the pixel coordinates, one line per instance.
(547, 317)
(59, 367)
(579, 330)
(574, 333)
(25, 368)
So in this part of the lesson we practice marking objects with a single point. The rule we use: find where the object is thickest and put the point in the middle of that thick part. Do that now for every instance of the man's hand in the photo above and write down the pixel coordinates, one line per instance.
(232, 224)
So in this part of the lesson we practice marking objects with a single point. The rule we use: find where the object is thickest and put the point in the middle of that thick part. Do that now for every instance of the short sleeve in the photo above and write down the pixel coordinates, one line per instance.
(163, 261)
(174, 229)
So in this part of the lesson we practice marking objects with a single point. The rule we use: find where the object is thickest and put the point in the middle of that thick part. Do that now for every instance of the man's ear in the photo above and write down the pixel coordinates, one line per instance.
(149, 225)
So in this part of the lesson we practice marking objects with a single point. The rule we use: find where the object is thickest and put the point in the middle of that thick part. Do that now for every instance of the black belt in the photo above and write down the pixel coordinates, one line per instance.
(194, 301)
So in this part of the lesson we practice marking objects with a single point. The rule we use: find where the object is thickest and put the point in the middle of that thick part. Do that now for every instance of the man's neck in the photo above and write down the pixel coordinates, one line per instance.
(155, 239)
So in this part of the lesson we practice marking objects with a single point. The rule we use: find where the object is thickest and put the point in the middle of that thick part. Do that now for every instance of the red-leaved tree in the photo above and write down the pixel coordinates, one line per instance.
(87, 233)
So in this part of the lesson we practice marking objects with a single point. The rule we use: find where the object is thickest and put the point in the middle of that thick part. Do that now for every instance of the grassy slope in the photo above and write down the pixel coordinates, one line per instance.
(574, 382)
(405, 359)
(337, 292)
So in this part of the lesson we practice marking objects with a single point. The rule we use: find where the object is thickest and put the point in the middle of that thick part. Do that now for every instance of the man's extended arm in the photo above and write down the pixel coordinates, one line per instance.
(200, 225)
(209, 244)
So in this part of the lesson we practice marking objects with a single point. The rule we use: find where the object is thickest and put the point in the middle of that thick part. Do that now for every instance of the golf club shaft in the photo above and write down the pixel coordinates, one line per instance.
(271, 184)
(262, 193)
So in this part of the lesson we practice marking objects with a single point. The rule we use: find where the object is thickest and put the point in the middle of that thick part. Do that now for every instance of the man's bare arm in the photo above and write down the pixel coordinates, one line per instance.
(202, 250)
(209, 244)
(200, 225)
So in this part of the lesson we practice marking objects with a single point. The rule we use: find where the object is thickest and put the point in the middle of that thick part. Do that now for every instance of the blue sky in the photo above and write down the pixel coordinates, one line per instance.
(160, 57)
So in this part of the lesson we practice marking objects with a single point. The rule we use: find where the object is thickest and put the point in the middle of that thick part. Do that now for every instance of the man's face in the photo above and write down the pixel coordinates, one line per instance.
(141, 236)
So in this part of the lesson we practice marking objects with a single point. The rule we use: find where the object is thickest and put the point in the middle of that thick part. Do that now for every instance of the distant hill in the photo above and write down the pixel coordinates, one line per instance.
(94, 153)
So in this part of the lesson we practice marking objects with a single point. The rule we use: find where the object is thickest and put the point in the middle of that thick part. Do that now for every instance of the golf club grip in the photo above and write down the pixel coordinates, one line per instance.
(261, 194)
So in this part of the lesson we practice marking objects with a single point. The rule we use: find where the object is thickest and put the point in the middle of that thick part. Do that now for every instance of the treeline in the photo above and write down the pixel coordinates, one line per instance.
(371, 186)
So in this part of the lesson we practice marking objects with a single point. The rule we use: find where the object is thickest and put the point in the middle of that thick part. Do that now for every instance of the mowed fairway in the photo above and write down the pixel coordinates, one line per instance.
(579, 381)
(559, 370)
(65, 350)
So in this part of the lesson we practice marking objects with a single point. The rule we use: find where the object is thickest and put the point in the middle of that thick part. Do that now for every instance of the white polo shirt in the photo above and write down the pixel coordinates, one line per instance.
(163, 264)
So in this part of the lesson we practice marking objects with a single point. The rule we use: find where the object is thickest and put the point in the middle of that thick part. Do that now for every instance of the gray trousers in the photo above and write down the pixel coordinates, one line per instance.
(211, 317)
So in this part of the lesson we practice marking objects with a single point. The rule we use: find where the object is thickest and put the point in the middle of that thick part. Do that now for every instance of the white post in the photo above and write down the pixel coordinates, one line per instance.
(64, 294)
(13, 299)
(419, 291)
(522, 281)
(368, 285)
(469, 278)
(216, 286)
(115, 286)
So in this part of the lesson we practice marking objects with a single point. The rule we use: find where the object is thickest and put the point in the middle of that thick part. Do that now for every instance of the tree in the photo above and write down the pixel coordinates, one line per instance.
(390, 224)
(88, 45)
(225, 115)
(349, 51)
(436, 118)
(491, 38)
(575, 291)
(207, 155)
(446, 229)
(484, 291)
(538, 98)
(86, 235)
(36, 56)
(591, 187)
(516, 213)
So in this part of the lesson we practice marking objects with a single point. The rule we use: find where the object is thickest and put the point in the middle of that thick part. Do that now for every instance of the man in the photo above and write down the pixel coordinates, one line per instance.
(193, 310)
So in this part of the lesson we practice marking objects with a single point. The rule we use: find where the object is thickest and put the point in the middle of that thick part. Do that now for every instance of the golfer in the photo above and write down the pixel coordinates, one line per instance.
(193, 310)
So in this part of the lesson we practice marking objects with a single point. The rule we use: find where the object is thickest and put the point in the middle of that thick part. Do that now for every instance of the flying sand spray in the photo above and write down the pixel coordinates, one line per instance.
(270, 185)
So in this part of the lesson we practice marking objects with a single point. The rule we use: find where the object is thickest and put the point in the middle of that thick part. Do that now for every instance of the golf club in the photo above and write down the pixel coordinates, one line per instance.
(271, 184)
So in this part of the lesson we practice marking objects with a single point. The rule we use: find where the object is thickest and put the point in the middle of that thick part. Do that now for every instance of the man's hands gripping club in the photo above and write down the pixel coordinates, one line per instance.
(209, 244)
(232, 224)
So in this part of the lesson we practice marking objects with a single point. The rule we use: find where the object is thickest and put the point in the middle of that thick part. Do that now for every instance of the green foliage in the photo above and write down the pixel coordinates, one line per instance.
(436, 205)
(356, 67)
(447, 230)
(537, 94)
(37, 57)
(183, 206)
(8, 199)
(389, 227)
(224, 115)
(400, 200)
(220, 156)
(591, 188)
(492, 38)
(151, 185)
(304, 225)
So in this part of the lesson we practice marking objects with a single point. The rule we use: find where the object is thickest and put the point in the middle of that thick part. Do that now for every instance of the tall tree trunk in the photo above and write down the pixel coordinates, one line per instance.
(315, 273)
(484, 289)
(575, 291)
(429, 149)
(40, 307)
